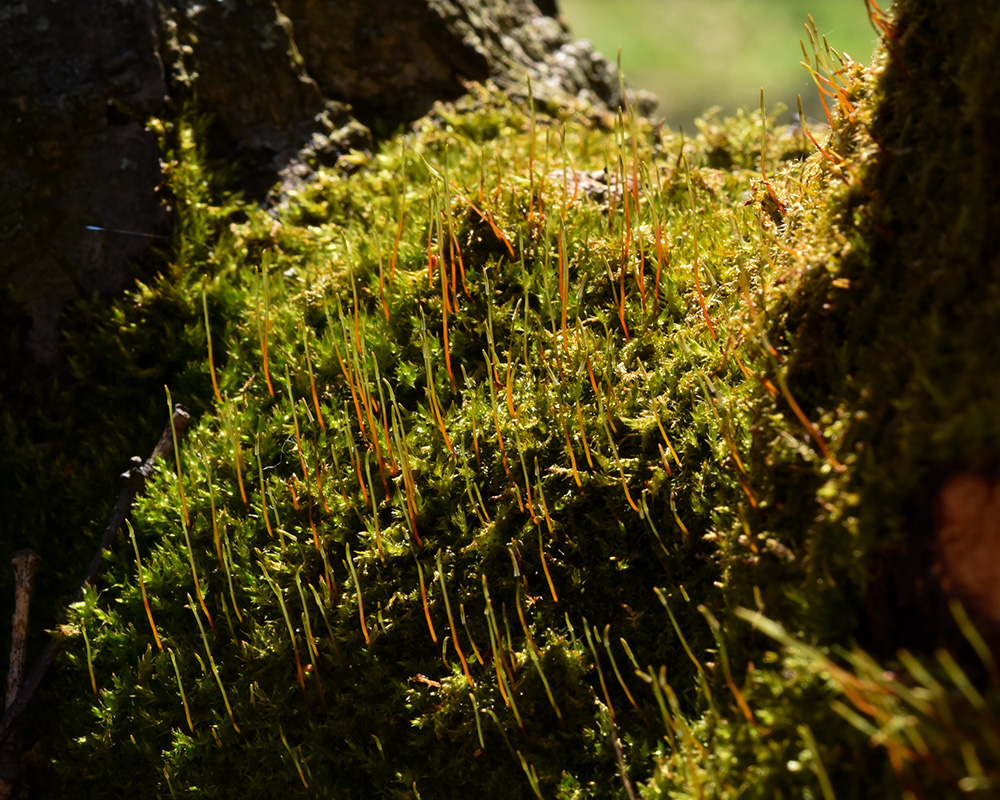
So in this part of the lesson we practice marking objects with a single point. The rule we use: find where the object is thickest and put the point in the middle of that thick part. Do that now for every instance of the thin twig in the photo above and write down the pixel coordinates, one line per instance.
(25, 564)
(133, 480)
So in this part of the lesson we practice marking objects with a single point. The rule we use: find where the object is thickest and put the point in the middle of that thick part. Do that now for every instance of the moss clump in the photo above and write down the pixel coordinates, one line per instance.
(524, 444)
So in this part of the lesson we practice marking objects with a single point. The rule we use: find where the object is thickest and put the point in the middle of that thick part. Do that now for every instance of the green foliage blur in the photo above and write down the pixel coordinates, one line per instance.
(695, 54)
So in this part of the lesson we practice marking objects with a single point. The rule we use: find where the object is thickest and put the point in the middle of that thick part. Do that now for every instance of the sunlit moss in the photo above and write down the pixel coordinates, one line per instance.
(518, 418)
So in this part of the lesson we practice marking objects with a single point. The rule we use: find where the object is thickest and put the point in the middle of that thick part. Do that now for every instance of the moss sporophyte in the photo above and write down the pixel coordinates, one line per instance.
(511, 464)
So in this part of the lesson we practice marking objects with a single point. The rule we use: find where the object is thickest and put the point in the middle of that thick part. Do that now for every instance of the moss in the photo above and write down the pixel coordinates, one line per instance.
(502, 455)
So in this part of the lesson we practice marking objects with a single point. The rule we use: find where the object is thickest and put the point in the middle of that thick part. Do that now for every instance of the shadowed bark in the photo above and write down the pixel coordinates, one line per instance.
(285, 82)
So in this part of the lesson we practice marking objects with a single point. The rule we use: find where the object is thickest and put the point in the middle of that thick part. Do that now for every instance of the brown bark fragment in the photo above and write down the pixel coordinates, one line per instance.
(967, 539)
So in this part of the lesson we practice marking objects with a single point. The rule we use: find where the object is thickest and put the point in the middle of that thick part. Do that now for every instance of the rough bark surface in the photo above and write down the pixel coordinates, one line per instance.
(286, 81)
(78, 80)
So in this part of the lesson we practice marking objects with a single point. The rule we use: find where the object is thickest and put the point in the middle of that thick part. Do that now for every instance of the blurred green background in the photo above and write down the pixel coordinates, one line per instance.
(694, 54)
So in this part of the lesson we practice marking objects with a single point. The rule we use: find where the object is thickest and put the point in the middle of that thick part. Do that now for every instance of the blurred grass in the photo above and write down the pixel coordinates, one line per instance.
(694, 54)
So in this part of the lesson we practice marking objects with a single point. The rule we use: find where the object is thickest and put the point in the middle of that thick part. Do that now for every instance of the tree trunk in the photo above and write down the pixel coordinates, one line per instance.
(284, 81)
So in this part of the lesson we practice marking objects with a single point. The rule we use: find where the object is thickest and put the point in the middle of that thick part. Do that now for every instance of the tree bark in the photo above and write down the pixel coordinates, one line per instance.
(283, 80)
